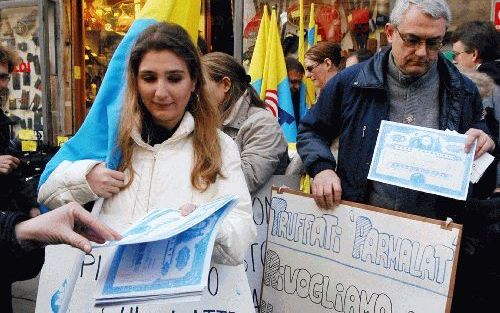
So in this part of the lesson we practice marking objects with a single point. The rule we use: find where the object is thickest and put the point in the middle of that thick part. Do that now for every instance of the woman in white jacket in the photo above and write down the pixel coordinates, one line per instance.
(172, 152)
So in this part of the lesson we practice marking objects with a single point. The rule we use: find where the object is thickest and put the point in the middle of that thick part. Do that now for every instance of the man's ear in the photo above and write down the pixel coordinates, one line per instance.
(475, 57)
(389, 31)
(226, 83)
(329, 64)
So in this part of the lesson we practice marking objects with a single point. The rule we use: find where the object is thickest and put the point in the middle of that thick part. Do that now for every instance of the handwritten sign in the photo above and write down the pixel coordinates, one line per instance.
(254, 257)
(227, 289)
(356, 258)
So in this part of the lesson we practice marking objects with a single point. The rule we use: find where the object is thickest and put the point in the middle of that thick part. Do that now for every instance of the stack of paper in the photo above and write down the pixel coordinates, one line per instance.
(163, 256)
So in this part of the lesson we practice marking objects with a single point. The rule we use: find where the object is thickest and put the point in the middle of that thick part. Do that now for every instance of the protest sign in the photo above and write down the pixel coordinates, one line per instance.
(254, 257)
(227, 289)
(356, 258)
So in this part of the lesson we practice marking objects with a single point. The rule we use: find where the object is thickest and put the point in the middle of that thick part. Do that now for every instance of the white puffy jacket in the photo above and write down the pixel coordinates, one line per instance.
(163, 180)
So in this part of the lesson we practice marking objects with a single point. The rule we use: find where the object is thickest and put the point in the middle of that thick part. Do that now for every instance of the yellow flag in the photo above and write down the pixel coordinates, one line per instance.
(275, 86)
(301, 50)
(311, 41)
(256, 67)
(186, 13)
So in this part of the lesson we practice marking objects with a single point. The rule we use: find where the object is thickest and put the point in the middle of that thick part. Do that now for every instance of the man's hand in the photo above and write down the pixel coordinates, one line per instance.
(69, 224)
(484, 142)
(8, 163)
(105, 182)
(326, 189)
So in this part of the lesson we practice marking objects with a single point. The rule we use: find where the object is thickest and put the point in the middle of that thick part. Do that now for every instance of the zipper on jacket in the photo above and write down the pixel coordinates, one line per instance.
(363, 134)
(155, 156)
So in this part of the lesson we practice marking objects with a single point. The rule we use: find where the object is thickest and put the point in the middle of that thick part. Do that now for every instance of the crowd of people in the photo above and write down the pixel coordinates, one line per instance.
(193, 129)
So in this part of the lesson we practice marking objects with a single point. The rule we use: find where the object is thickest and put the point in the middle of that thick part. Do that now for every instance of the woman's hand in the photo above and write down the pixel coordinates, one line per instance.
(105, 182)
(187, 209)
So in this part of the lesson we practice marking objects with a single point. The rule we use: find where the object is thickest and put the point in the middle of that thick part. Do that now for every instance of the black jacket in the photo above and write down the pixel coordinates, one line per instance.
(352, 106)
(16, 194)
(17, 264)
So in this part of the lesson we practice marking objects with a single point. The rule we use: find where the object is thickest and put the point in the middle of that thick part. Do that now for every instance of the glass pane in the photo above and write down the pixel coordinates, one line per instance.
(347, 22)
(19, 31)
(106, 23)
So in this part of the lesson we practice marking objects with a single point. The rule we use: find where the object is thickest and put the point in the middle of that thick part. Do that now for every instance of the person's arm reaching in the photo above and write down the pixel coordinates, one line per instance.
(70, 224)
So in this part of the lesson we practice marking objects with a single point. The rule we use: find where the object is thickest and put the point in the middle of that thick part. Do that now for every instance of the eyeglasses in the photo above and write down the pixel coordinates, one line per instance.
(311, 68)
(412, 41)
(5, 76)
(456, 54)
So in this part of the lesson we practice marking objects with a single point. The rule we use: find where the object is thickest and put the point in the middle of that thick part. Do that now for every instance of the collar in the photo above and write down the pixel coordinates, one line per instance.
(186, 127)
(404, 79)
(371, 74)
(239, 112)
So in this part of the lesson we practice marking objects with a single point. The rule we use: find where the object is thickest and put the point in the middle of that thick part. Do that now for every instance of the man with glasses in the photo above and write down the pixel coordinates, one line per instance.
(412, 83)
(409, 83)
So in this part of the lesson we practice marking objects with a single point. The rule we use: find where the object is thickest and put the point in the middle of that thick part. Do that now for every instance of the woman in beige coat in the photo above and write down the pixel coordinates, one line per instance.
(257, 133)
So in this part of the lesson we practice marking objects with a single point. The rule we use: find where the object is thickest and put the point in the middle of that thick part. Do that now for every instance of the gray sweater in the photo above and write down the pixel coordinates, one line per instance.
(415, 101)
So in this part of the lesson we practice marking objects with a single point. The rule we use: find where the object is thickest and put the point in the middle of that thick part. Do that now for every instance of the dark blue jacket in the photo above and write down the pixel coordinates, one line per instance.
(352, 106)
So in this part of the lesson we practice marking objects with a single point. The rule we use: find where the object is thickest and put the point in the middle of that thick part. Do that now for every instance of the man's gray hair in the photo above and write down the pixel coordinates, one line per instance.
(435, 8)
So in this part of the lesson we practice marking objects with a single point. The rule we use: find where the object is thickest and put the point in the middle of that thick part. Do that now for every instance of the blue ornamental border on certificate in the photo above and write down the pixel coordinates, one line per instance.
(388, 126)
(191, 278)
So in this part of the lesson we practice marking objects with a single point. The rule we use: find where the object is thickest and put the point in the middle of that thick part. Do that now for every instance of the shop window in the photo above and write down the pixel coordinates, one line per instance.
(19, 31)
(105, 23)
(351, 23)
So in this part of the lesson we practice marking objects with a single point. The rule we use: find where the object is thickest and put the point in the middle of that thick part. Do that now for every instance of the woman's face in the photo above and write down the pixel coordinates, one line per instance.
(165, 86)
(217, 91)
(319, 72)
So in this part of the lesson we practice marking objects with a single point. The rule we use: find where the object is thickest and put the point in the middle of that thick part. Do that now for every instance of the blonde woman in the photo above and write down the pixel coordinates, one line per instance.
(172, 152)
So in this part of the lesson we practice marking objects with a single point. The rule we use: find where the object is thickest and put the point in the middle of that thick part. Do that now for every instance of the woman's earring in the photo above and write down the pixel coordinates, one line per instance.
(195, 97)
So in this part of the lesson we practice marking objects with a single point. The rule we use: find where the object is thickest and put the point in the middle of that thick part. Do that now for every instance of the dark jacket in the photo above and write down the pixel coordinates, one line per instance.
(16, 194)
(17, 264)
(352, 106)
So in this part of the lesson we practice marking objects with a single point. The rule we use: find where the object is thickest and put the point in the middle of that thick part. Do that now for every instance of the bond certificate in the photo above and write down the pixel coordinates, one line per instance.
(423, 159)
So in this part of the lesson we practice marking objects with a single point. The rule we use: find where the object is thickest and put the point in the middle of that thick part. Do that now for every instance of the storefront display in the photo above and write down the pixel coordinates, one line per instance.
(19, 31)
(347, 22)
(105, 24)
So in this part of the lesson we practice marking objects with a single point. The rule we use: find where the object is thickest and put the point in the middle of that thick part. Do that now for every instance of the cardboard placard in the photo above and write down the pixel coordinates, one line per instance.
(356, 258)
(67, 272)
(254, 257)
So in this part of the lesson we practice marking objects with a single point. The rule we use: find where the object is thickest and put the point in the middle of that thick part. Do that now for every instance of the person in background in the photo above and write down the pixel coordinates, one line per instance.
(295, 72)
(322, 62)
(476, 46)
(290, 45)
(359, 56)
(173, 154)
(262, 145)
(15, 193)
(22, 240)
